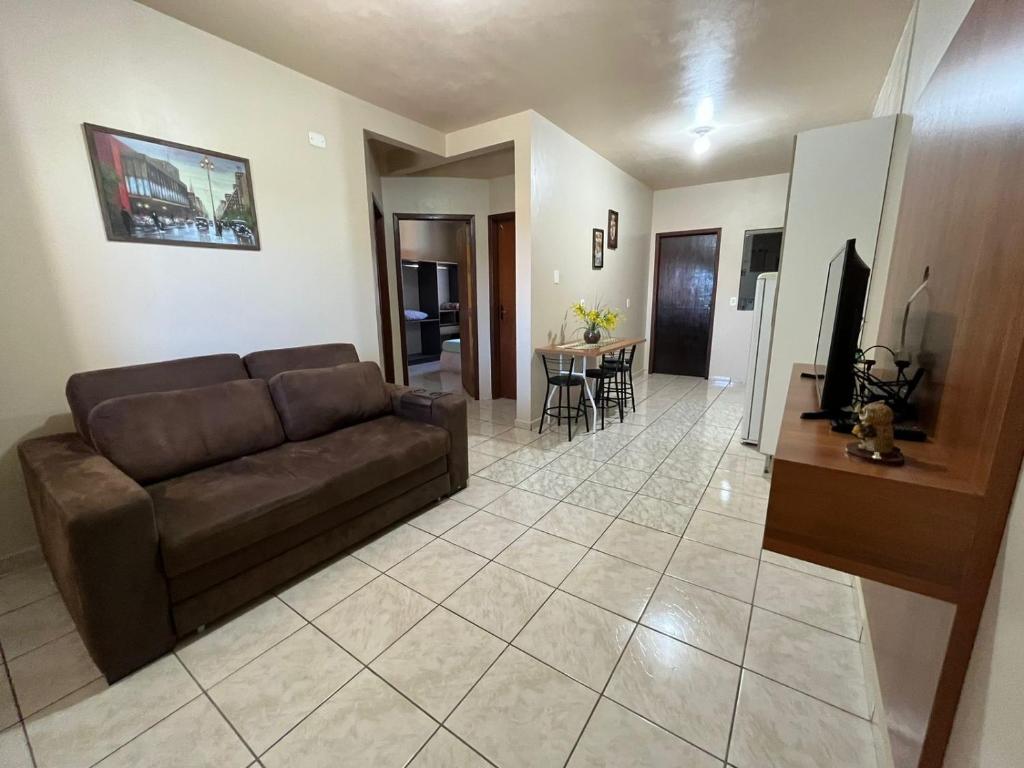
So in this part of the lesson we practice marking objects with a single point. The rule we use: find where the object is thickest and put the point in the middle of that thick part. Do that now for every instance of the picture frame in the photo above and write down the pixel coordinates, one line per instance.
(151, 190)
(597, 249)
(613, 229)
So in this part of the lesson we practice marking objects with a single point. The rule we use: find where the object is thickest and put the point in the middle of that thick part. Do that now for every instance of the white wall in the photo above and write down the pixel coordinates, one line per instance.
(572, 189)
(436, 194)
(838, 184)
(70, 300)
(735, 206)
(503, 194)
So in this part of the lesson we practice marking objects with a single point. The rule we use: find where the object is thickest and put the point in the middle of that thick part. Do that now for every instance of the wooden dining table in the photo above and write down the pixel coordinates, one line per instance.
(582, 349)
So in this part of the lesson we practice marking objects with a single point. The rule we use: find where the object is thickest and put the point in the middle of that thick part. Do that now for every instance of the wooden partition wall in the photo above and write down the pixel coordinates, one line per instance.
(962, 216)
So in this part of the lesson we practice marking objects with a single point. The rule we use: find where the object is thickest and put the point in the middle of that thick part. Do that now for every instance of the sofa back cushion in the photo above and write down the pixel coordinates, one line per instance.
(87, 390)
(157, 435)
(316, 401)
(267, 363)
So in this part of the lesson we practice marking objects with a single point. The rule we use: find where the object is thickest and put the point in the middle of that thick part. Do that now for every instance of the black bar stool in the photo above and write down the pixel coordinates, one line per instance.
(609, 391)
(623, 384)
(561, 379)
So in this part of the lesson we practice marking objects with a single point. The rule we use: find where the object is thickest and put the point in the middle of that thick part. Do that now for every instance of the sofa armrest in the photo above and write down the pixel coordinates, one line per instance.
(447, 411)
(98, 531)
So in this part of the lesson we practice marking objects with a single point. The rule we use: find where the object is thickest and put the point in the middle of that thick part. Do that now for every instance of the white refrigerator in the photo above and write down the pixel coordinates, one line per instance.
(757, 362)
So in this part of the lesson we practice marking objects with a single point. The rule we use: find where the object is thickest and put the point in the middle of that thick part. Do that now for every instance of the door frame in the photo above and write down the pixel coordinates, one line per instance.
(381, 257)
(717, 231)
(470, 221)
(492, 252)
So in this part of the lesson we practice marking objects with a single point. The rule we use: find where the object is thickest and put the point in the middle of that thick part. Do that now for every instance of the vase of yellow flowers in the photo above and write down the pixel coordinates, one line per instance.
(595, 320)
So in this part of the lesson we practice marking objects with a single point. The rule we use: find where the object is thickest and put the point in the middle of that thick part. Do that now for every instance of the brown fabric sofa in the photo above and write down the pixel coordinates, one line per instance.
(194, 486)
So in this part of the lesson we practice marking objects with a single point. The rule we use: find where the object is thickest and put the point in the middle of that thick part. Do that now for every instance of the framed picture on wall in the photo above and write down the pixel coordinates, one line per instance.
(613, 229)
(156, 191)
(598, 250)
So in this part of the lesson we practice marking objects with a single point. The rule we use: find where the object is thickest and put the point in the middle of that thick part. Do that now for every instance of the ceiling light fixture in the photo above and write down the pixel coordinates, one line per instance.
(702, 143)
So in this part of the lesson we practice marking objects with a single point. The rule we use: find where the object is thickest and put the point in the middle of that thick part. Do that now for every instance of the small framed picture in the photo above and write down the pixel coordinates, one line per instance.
(598, 255)
(613, 229)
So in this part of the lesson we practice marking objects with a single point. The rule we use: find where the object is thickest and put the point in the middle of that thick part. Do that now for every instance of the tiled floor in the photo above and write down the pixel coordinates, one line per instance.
(603, 602)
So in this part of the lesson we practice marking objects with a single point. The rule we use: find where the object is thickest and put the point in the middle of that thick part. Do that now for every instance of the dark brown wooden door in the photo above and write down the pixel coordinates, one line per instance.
(686, 269)
(503, 304)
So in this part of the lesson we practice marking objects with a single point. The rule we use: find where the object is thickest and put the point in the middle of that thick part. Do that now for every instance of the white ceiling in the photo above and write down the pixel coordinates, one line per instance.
(623, 76)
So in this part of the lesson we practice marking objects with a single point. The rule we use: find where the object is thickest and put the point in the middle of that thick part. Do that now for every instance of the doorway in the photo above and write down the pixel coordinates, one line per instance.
(381, 258)
(502, 249)
(435, 266)
(683, 310)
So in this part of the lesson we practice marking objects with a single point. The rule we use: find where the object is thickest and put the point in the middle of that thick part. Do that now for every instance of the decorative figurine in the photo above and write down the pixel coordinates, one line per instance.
(876, 436)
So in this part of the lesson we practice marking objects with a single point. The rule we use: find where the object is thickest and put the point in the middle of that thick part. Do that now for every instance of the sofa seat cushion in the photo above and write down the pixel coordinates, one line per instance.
(211, 513)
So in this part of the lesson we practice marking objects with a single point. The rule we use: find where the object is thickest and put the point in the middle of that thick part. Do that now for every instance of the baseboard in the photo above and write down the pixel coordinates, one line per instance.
(528, 425)
(879, 722)
(16, 561)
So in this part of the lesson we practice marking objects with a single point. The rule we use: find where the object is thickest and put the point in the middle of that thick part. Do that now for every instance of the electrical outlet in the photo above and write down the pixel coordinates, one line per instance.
(317, 140)
(733, 301)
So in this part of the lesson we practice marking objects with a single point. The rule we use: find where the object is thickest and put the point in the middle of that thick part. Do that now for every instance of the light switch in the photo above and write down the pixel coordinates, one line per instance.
(317, 139)
(557, 277)
(627, 303)
(733, 301)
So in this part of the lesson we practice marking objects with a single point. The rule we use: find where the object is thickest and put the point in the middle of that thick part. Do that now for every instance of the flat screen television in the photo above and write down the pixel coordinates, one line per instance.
(846, 290)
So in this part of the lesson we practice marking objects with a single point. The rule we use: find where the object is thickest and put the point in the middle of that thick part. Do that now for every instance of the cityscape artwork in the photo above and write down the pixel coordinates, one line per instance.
(155, 191)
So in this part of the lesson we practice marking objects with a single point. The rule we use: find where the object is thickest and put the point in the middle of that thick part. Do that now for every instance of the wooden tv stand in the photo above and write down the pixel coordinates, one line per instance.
(910, 527)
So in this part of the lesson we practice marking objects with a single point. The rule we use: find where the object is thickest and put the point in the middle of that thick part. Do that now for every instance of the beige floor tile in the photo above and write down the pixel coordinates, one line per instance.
(438, 661)
(634, 458)
(678, 467)
(741, 482)
(506, 471)
(25, 586)
(50, 672)
(8, 709)
(478, 427)
(521, 436)
(705, 619)
(750, 465)
(14, 748)
(617, 585)
(676, 491)
(590, 447)
(776, 725)
(638, 544)
(370, 620)
(723, 532)
(543, 556)
(438, 569)
(618, 738)
(600, 498)
(820, 602)
(485, 534)
(694, 454)
(683, 689)
(809, 659)
(499, 599)
(366, 724)
(210, 742)
(497, 448)
(440, 518)
(574, 466)
(718, 569)
(445, 751)
(523, 714)
(533, 457)
(222, 649)
(521, 506)
(479, 492)
(478, 461)
(94, 727)
(314, 594)
(393, 546)
(579, 524)
(552, 441)
(623, 478)
(32, 625)
(550, 484)
(803, 566)
(275, 691)
(733, 504)
(662, 515)
(576, 638)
